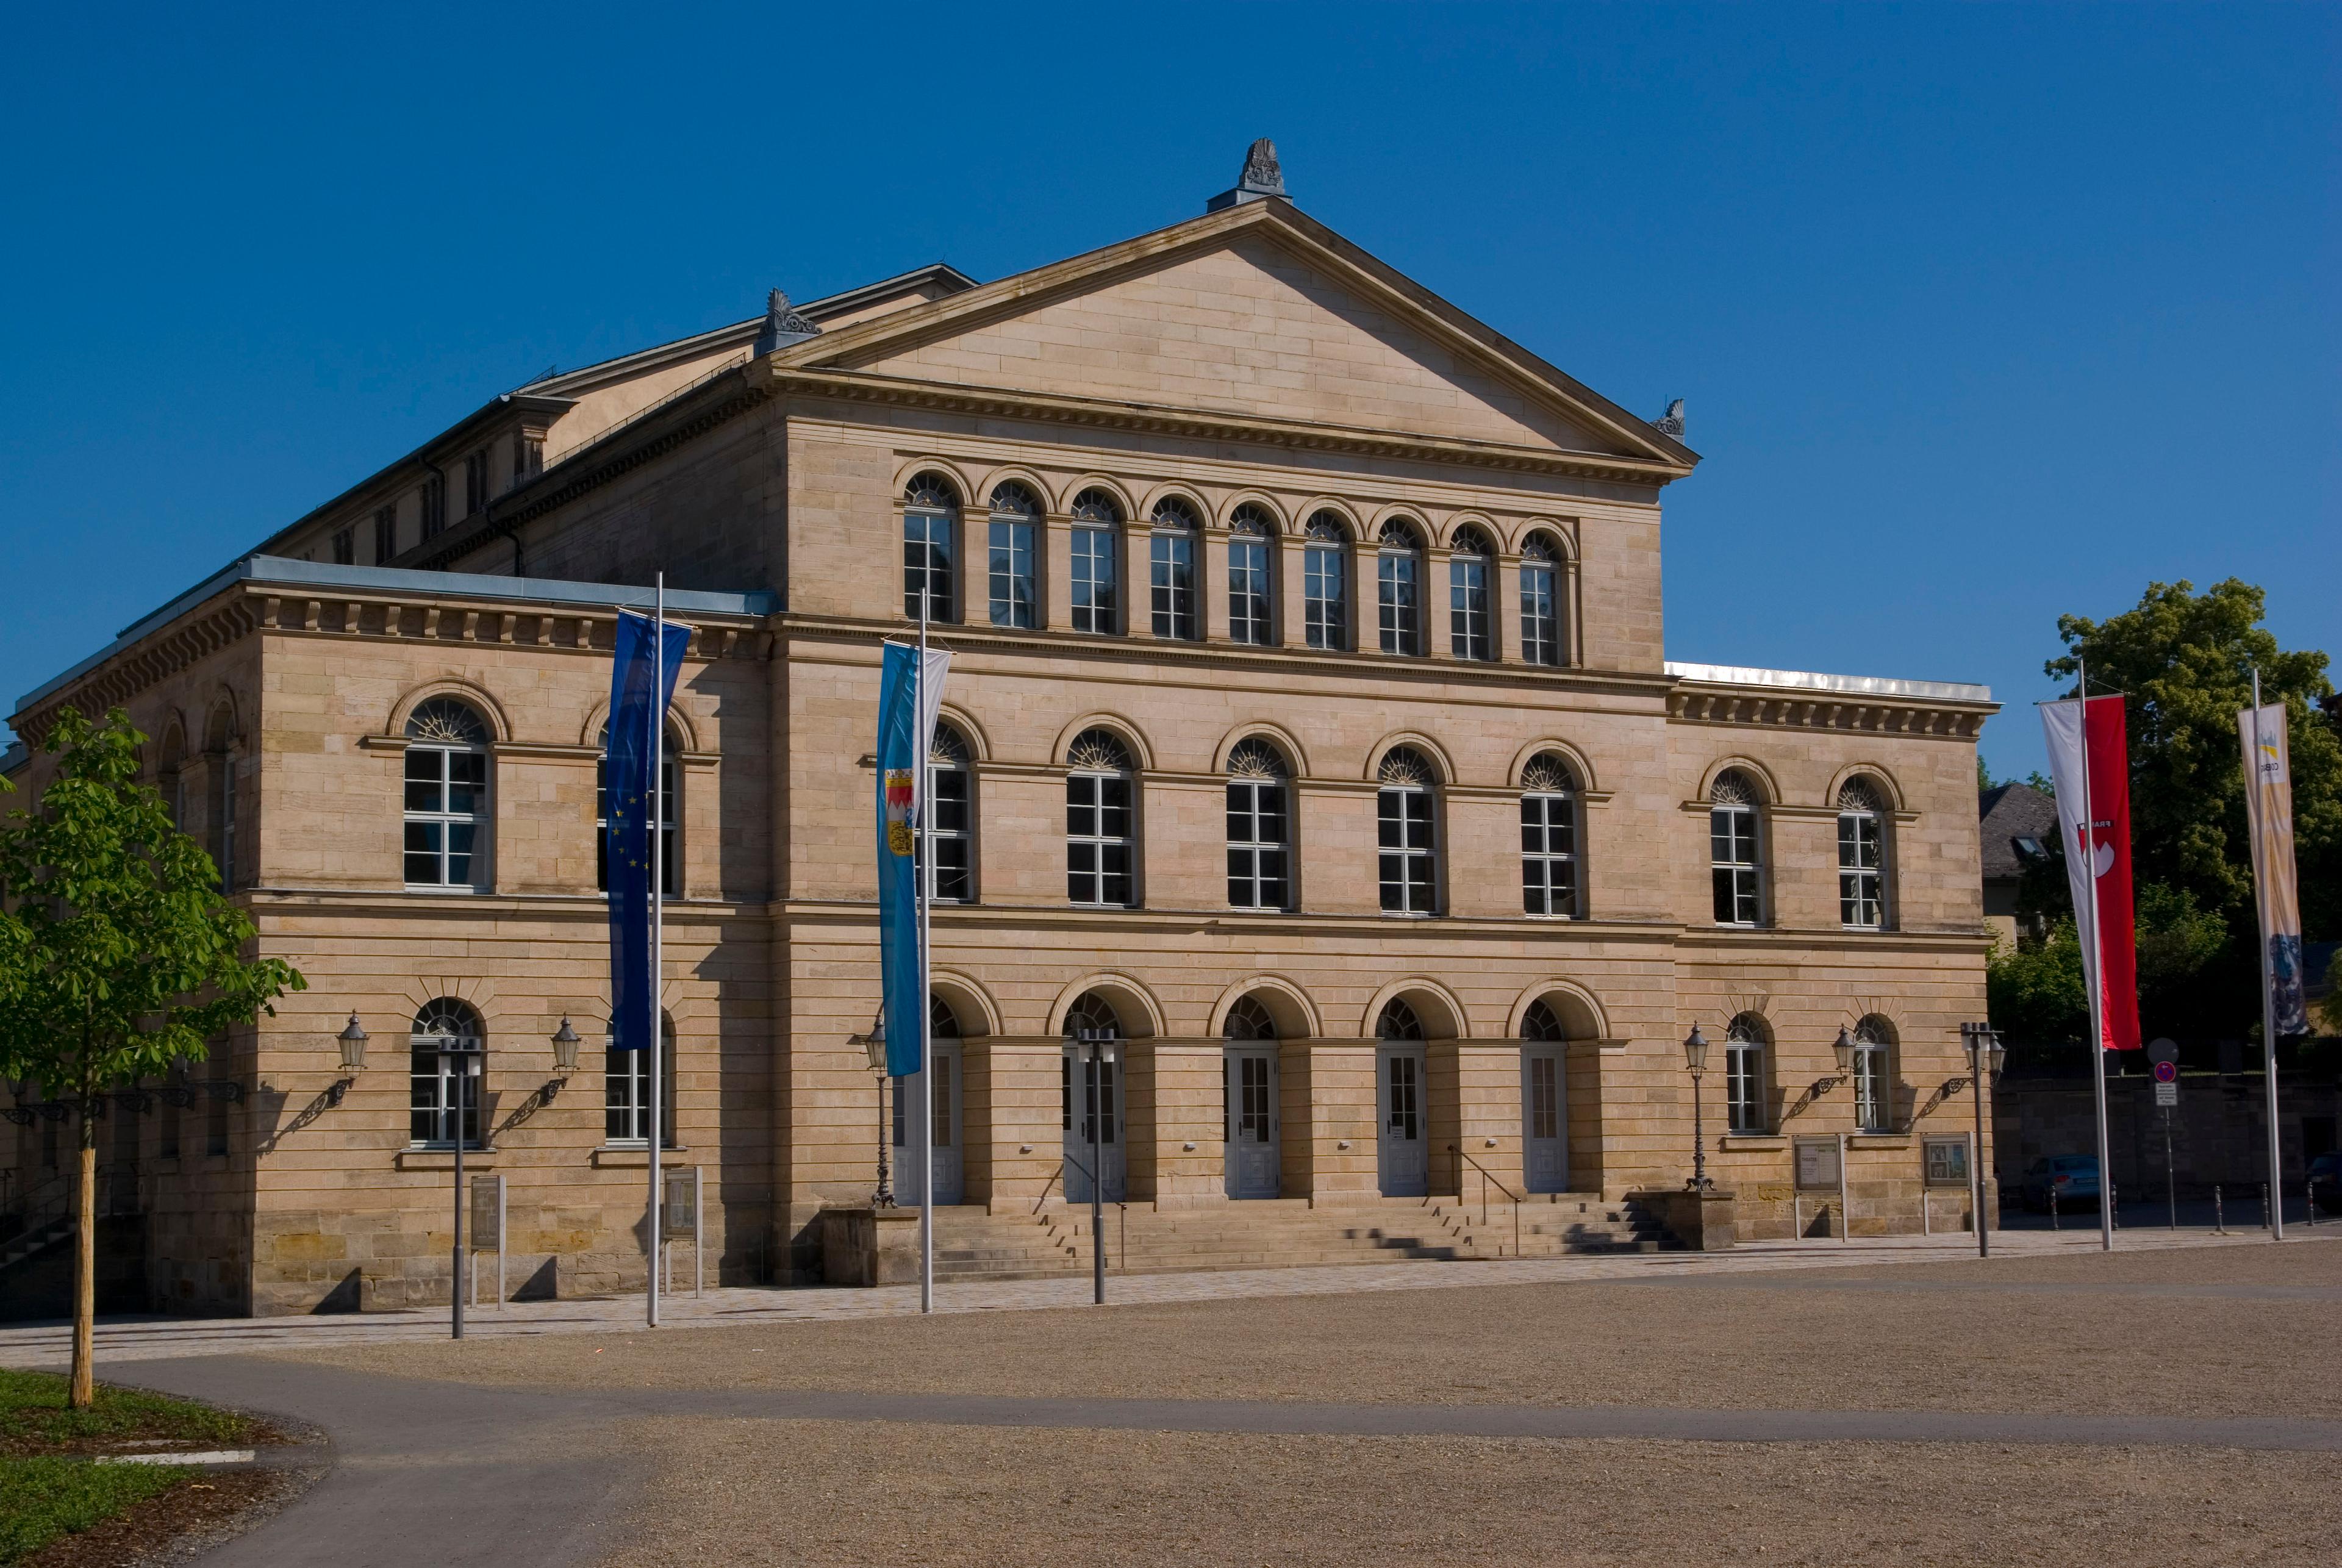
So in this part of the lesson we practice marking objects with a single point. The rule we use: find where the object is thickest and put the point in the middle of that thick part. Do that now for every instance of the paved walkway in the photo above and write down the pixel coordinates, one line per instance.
(49, 1345)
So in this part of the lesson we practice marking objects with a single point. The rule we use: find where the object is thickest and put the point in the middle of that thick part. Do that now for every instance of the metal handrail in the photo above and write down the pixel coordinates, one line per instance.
(1462, 1160)
(1121, 1205)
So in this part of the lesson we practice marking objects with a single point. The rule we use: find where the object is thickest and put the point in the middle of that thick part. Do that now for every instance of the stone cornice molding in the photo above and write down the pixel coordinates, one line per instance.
(195, 636)
(1757, 708)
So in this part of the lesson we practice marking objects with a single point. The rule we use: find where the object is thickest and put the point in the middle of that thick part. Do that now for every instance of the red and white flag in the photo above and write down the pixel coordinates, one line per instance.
(2097, 854)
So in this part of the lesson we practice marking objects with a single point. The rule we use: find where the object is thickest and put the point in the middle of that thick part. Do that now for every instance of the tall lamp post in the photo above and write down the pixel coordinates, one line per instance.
(1696, 1058)
(1987, 1056)
(874, 1045)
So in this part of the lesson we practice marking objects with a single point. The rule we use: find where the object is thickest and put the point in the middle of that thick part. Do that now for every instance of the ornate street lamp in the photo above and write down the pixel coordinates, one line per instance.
(1843, 1046)
(1986, 1057)
(1695, 1047)
(874, 1045)
(353, 1042)
(566, 1041)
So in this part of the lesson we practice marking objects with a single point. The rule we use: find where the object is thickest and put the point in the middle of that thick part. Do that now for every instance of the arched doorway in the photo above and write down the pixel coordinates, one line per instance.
(1255, 1147)
(1090, 1090)
(1544, 1101)
(945, 1097)
(1403, 1143)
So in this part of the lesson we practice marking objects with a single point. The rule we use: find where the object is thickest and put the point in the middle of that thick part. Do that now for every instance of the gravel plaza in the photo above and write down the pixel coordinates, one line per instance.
(1788, 1402)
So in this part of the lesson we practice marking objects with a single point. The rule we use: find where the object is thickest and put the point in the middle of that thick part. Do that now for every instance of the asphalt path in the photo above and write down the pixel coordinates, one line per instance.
(449, 1474)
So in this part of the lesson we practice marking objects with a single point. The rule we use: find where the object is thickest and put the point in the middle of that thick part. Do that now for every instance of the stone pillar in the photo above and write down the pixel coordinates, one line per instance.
(972, 588)
(1505, 606)
(1488, 1114)
(1057, 573)
(1212, 583)
(1366, 620)
(1014, 1119)
(1327, 1094)
(1442, 1125)
(1437, 630)
(1188, 1153)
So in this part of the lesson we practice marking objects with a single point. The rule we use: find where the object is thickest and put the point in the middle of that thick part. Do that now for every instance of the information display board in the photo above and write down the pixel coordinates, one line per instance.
(1945, 1161)
(1818, 1165)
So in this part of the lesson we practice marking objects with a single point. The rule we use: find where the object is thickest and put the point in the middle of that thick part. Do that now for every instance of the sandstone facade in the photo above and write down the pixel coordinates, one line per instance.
(1249, 366)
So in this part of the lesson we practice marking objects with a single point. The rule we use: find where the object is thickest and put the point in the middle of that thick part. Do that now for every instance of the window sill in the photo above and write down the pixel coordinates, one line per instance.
(444, 1159)
(441, 888)
(1878, 1140)
(632, 1157)
(1732, 1140)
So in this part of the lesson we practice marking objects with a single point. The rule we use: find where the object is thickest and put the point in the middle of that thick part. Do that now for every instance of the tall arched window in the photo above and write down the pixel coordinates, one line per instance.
(1407, 813)
(1398, 577)
(1746, 1079)
(930, 517)
(626, 1092)
(446, 1055)
(951, 822)
(943, 1025)
(1471, 630)
(1249, 1088)
(1325, 583)
(1548, 838)
(1092, 1018)
(1542, 1089)
(1398, 1021)
(1540, 601)
(1096, 546)
(1251, 581)
(1101, 832)
(1873, 1075)
(219, 759)
(1260, 835)
(670, 857)
(1016, 524)
(1861, 857)
(1171, 570)
(447, 795)
(1733, 850)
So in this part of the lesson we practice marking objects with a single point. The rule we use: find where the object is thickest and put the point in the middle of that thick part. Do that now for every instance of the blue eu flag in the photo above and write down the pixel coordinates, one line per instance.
(642, 683)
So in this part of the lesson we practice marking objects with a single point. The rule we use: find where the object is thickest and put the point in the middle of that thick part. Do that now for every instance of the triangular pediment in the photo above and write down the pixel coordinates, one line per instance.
(1257, 313)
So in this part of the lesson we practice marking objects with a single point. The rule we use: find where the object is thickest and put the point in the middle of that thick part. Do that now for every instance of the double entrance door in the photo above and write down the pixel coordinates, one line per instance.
(1545, 1120)
(945, 1096)
(1403, 1161)
(1254, 1145)
(1091, 1093)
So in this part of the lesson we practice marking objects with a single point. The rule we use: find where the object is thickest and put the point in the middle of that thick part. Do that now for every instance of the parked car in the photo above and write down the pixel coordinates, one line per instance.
(2326, 1181)
(2061, 1181)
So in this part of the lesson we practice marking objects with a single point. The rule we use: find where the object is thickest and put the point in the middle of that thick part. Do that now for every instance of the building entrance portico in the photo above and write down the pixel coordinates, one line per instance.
(1402, 1156)
(1090, 1090)
(947, 1097)
(1251, 1120)
(1544, 1112)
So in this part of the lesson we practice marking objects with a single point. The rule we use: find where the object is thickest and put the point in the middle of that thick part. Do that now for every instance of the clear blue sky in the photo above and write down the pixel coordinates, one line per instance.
(1982, 314)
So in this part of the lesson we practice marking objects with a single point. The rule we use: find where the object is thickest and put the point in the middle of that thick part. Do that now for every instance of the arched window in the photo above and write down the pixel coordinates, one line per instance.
(1540, 601)
(951, 822)
(1260, 833)
(1541, 1084)
(670, 859)
(1746, 1080)
(943, 1025)
(1015, 524)
(1171, 570)
(1248, 1079)
(1398, 1021)
(1733, 853)
(626, 1092)
(1548, 838)
(1861, 857)
(930, 512)
(170, 781)
(1248, 1020)
(1092, 1017)
(1405, 809)
(1873, 1075)
(1101, 839)
(219, 757)
(1096, 542)
(1470, 626)
(446, 1058)
(447, 795)
(1325, 583)
(1251, 581)
(1398, 576)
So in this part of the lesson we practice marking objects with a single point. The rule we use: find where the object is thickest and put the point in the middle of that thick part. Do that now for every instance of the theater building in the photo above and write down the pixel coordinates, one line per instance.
(1310, 735)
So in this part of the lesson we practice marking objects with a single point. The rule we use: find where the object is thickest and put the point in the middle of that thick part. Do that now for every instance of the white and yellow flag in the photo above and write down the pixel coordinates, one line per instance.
(2268, 811)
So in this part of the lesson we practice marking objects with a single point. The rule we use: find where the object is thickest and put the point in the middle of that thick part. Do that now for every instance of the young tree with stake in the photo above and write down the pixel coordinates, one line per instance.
(118, 955)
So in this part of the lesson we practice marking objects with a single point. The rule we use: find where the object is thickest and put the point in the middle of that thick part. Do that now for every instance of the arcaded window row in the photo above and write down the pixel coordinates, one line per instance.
(1403, 619)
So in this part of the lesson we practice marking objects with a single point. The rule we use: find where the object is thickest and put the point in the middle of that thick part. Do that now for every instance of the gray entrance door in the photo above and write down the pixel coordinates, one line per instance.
(1545, 1120)
(1255, 1148)
(1093, 1089)
(945, 1097)
(1404, 1146)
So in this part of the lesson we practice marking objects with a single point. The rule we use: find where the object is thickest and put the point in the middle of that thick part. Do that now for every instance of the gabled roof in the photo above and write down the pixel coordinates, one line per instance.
(2008, 813)
(1319, 246)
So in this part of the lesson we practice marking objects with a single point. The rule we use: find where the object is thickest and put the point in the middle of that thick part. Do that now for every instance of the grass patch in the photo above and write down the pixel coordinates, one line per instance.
(42, 1499)
(35, 1420)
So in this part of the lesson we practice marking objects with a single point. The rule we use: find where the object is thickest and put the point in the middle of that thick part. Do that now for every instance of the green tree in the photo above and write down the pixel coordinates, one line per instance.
(2034, 991)
(122, 957)
(2185, 662)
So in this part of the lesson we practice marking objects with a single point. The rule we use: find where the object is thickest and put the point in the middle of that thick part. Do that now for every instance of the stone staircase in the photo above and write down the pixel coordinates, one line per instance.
(972, 1243)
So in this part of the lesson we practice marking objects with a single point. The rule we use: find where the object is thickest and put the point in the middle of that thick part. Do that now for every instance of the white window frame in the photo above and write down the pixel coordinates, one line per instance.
(670, 832)
(1090, 777)
(458, 1056)
(1734, 825)
(626, 1093)
(1398, 589)
(930, 513)
(949, 761)
(1396, 803)
(1550, 808)
(1248, 882)
(445, 748)
(1874, 1082)
(1540, 605)
(1012, 585)
(1173, 599)
(1252, 571)
(1861, 888)
(1745, 1086)
(1326, 583)
(1094, 580)
(1471, 633)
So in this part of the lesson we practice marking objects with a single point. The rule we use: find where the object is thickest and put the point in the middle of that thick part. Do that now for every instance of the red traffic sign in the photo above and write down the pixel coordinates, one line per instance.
(2167, 1071)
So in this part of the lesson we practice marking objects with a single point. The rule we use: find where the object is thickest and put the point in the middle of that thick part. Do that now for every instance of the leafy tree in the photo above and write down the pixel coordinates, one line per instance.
(122, 957)
(2033, 990)
(2185, 663)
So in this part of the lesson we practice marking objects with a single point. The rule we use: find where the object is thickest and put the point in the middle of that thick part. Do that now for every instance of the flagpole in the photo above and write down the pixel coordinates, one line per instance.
(658, 912)
(2097, 977)
(2268, 997)
(920, 871)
